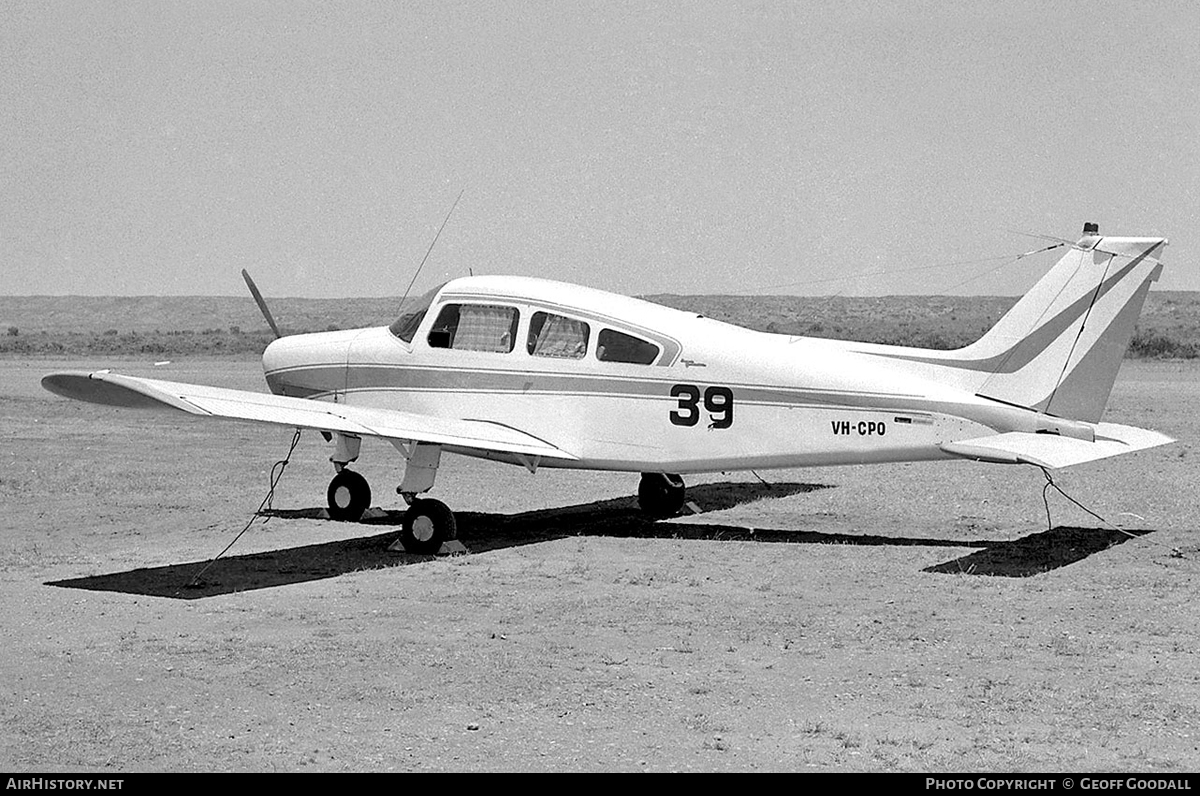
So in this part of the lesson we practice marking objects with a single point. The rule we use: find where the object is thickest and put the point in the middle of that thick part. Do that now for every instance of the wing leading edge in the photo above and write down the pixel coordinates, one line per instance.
(134, 392)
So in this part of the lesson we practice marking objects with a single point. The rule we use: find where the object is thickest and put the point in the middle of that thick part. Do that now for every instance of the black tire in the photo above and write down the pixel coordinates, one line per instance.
(660, 495)
(349, 495)
(427, 524)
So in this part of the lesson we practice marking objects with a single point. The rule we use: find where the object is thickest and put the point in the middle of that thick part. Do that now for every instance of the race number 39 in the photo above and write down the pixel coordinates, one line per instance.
(717, 401)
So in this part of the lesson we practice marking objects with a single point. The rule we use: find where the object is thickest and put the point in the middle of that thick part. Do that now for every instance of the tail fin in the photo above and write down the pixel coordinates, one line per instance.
(1060, 346)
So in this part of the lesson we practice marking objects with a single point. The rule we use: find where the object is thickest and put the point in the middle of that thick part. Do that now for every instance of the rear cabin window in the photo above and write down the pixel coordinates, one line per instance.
(475, 327)
(620, 347)
(557, 336)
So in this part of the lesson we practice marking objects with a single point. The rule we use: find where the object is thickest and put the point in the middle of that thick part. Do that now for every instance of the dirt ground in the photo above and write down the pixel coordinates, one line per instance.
(898, 618)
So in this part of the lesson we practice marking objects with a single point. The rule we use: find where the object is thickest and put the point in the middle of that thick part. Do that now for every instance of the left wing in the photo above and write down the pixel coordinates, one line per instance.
(111, 389)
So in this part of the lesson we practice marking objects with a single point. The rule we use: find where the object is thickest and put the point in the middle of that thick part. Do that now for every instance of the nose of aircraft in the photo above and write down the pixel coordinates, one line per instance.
(306, 365)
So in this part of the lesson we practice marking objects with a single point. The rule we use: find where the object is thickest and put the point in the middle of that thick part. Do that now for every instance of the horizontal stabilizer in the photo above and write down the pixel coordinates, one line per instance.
(1054, 451)
(113, 389)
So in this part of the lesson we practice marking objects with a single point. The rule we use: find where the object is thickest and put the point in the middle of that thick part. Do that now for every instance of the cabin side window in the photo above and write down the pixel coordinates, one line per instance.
(475, 327)
(612, 346)
(557, 336)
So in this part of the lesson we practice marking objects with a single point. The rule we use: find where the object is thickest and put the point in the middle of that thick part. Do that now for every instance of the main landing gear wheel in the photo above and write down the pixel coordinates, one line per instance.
(427, 524)
(349, 496)
(660, 495)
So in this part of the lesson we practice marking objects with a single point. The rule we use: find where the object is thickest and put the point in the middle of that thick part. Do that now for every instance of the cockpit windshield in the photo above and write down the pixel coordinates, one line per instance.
(411, 315)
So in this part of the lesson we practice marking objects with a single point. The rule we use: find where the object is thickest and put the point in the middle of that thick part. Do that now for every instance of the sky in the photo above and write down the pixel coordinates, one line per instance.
(805, 148)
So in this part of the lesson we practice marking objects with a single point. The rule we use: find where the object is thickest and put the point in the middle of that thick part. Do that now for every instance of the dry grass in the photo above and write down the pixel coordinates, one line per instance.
(909, 617)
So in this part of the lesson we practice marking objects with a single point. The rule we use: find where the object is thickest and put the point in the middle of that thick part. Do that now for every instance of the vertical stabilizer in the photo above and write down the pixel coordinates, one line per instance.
(1060, 346)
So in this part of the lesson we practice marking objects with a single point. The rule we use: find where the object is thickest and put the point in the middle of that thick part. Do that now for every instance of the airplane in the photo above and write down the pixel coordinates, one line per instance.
(543, 374)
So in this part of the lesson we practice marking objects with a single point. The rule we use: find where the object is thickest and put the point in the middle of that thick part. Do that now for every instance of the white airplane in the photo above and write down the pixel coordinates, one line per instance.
(544, 374)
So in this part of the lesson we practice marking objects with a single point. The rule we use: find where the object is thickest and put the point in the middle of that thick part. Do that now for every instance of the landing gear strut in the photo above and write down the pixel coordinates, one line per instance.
(660, 495)
(349, 496)
(428, 524)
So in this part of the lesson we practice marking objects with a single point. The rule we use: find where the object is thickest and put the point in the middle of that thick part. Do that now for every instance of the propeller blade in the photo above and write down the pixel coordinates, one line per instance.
(262, 305)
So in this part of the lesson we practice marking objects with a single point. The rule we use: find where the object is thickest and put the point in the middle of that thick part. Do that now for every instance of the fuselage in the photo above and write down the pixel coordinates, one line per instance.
(625, 384)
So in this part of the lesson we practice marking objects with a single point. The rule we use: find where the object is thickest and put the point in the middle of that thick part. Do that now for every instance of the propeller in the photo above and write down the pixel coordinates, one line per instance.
(262, 304)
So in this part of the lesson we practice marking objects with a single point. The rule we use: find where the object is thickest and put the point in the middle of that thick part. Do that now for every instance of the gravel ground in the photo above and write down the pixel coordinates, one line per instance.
(897, 618)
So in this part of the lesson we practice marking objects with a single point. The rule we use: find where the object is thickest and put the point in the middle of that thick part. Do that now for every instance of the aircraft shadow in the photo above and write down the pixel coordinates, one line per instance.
(619, 517)
(1036, 553)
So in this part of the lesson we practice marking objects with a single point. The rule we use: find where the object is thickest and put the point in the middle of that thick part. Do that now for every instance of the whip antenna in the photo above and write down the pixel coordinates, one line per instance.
(431, 245)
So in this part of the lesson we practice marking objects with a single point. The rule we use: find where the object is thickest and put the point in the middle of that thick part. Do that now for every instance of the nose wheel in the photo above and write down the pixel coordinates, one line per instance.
(349, 496)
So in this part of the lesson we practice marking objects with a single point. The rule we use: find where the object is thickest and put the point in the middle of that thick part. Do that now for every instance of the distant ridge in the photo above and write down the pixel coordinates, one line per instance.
(85, 325)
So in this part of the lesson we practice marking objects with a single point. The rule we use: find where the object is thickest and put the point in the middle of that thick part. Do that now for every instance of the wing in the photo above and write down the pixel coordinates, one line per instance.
(1051, 450)
(113, 389)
